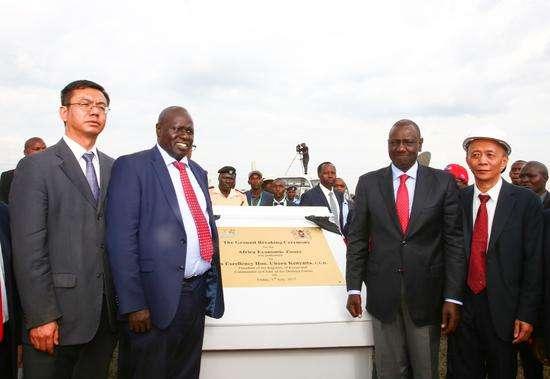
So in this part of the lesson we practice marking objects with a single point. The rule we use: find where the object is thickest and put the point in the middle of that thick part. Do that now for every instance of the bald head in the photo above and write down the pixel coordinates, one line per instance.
(34, 145)
(168, 112)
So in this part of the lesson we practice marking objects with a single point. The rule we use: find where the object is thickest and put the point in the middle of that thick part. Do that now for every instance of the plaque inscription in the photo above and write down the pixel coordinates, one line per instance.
(276, 257)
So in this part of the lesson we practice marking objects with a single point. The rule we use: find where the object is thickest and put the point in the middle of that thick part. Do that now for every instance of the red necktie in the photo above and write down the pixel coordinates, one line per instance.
(477, 277)
(402, 203)
(203, 229)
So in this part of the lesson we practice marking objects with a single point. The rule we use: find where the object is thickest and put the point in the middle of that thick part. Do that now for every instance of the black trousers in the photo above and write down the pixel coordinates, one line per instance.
(532, 368)
(7, 361)
(85, 361)
(171, 353)
(474, 350)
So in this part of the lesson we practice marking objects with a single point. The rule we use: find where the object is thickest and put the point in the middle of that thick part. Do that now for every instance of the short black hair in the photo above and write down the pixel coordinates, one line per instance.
(32, 140)
(320, 167)
(541, 167)
(67, 92)
(406, 122)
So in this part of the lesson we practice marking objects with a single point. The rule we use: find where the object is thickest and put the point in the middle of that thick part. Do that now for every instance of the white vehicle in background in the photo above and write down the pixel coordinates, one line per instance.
(301, 183)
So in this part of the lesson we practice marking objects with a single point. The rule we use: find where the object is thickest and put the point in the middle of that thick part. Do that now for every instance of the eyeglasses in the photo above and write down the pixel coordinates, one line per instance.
(88, 106)
(408, 143)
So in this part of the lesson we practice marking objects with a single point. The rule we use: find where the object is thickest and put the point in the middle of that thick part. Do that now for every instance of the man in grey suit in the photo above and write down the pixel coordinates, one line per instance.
(57, 223)
(406, 245)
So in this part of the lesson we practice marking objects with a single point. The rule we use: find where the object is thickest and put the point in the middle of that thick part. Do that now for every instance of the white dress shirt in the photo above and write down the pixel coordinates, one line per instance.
(279, 203)
(194, 264)
(491, 205)
(327, 193)
(79, 151)
(3, 290)
(410, 183)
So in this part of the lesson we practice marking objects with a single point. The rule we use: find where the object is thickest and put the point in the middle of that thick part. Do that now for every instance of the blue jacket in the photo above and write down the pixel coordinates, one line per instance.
(146, 240)
(266, 198)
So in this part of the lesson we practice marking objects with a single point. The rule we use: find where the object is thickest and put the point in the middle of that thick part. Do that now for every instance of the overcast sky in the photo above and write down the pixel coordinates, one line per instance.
(258, 77)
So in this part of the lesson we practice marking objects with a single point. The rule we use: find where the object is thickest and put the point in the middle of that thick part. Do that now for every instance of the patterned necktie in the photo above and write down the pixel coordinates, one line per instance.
(477, 270)
(402, 203)
(90, 174)
(203, 229)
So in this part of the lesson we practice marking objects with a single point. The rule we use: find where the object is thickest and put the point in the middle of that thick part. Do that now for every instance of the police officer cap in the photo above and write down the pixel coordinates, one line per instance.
(227, 170)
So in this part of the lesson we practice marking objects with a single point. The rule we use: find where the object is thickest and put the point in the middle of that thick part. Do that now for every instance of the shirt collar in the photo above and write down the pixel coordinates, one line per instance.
(493, 192)
(325, 190)
(77, 149)
(168, 160)
(411, 172)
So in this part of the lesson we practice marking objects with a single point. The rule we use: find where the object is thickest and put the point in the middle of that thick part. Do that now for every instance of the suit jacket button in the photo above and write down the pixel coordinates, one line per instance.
(182, 267)
(98, 275)
(182, 241)
(404, 242)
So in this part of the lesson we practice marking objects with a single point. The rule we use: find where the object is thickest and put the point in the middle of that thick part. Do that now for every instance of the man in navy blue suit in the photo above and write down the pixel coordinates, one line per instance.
(163, 248)
(323, 194)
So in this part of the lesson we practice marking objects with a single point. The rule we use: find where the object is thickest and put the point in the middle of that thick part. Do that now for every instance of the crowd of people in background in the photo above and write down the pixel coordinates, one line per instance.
(97, 251)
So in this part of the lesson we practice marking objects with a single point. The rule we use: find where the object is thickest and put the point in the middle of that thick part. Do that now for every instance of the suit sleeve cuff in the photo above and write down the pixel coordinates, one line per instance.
(454, 301)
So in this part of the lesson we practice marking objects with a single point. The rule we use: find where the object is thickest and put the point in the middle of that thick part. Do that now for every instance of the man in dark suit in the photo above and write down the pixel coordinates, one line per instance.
(503, 236)
(256, 196)
(56, 210)
(279, 197)
(32, 145)
(10, 328)
(324, 195)
(534, 175)
(163, 249)
(347, 203)
(405, 243)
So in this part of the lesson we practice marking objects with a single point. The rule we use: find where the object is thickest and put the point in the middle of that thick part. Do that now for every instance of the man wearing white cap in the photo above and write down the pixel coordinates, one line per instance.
(503, 239)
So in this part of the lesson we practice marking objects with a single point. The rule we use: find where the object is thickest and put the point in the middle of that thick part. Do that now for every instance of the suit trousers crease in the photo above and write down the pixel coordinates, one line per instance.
(85, 361)
(171, 353)
(474, 351)
(404, 350)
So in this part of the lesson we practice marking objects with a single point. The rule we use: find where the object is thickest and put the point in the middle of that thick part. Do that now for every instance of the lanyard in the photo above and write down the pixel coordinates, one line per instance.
(259, 200)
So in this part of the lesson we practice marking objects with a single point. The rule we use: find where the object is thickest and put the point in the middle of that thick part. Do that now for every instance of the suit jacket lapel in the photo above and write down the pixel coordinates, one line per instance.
(505, 204)
(69, 165)
(322, 196)
(105, 174)
(166, 183)
(386, 188)
(467, 199)
(422, 190)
